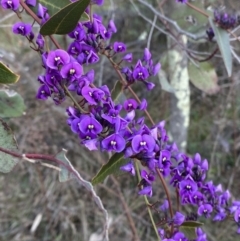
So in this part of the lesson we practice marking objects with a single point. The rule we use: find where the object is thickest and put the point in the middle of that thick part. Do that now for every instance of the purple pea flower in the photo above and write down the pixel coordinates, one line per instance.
(221, 215)
(98, 2)
(119, 47)
(92, 95)
(182, 1)
(178, 218)
(114, 142)
(179, 236)
(89, 140)
(147, 55)
(237, 219)
(187, 187)
(31, 3)
(146, 191)
(78, 33)
(149, 178)
(40, 41)
(112, 114)
(128, 57)
(10, 4)
(143, 143)
(90, 125)
(129, 167)
(130, 105)
(71, 71)
(140, 73)
(57, 58)
(111, 27)
(165, 206)
(43, 92)
(42, 12)
(22, 28)
(205, 210)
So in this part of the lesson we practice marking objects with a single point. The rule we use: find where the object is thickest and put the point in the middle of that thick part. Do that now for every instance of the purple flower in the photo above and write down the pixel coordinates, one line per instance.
(92, 95)
(140, 73)
(129, 167)
(182, 1)
(40, 41)
(221, 215)
(114, 142)
(147, 55)
(78, 33)
(111, 27)
(143, 143)
(57, 58)
(149, 178)
(165, 206)
(128, 57)
(43, 92)
(42, 12)
(119, 47)
(90, 125)
(98, 2)
(10, 4)
(71, 71)
(178, 218)
(210, 33)
(22, 28)
(146, 191)
(179, 236)
(187, 187)
(205, 210)
(31, 3)
(130, 105)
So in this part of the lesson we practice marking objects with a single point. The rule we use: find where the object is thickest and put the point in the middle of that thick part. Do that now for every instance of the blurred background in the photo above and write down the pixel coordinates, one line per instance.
(66, 211)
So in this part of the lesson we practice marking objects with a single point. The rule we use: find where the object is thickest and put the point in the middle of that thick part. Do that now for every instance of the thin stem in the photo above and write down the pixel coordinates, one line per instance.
(73, 99)
(197, 9)
(127, 211)
(168, 195)
(147, 202)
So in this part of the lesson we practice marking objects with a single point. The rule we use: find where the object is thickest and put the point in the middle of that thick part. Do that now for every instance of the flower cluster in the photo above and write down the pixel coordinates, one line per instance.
(225, 20)
(101, 124)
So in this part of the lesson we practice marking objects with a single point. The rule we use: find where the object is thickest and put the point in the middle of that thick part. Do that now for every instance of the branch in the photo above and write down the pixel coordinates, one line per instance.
(72, 170)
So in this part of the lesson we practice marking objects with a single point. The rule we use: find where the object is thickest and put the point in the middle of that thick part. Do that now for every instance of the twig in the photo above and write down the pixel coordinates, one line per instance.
(151, 32)
(73, 171)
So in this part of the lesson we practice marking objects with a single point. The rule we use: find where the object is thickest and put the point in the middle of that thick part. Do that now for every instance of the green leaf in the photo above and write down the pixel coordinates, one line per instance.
(111, 167)
(66, 19)
(164, 82)
(189, 229)
(53, 6)
(204, 77)
(11, 104)
(223, 41)
(7, 76)
(7, 141)
(64, 174)
(117, 91)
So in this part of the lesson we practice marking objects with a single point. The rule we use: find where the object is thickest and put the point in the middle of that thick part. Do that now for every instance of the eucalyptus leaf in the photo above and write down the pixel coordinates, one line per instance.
(111, 167)
(8, 142)
(223, 42)
(203, 77)
(162, 77)
(66, 19)
(7, 76)
(64, 174)
(11, 104)
(53, 6)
